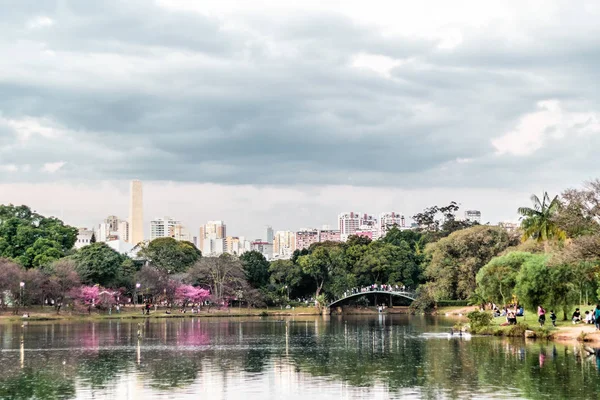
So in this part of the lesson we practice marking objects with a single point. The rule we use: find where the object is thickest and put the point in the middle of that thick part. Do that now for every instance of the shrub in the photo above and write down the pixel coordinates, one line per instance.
(517, 330)
(478, 320)
(452, 303)
(424, 301)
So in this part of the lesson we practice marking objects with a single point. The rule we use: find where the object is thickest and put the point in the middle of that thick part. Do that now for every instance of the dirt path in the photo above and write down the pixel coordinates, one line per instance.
(573, 332)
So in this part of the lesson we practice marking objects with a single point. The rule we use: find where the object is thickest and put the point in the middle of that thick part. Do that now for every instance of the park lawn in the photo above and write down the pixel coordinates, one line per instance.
(531, 319)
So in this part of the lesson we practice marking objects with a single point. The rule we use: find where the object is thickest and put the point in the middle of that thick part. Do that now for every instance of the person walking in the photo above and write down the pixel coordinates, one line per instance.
(553, 317)
(541, 316)
(597, 316)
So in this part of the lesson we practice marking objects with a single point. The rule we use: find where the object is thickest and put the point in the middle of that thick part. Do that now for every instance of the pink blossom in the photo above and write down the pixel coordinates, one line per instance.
(189, 293)
(89, 294)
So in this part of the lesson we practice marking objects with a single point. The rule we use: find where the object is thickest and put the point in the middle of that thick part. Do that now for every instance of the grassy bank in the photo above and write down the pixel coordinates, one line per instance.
(564, 330)
(48, 314)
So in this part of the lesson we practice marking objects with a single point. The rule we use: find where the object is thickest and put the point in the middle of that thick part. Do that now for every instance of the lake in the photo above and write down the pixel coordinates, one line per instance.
(341, 357)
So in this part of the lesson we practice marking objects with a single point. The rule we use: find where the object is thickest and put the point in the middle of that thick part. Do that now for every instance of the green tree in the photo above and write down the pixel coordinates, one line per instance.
(168, 254)
(99, 264)
(41, 253)
(538, 222)
(454, 261)
(286, 275)
(497, 279)
(534, 285)
(297, 254)
(32, 239)
(317, 265)
(256, 267)
(563, 289)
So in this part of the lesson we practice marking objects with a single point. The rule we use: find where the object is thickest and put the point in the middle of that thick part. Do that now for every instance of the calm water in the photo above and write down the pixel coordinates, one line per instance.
(299, 358)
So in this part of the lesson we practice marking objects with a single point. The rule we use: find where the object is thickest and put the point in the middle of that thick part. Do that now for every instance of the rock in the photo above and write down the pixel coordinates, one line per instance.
(529, 334)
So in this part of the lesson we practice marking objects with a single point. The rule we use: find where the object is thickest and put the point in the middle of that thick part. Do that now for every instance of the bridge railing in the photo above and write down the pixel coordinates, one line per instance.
(412, 293)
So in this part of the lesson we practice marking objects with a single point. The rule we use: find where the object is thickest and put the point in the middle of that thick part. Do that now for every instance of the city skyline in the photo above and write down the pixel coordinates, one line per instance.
(193, 220)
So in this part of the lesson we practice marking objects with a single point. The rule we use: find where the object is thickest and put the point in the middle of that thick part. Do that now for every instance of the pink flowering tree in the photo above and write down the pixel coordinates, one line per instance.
(107, 298)
(188, 294)
(88, 295)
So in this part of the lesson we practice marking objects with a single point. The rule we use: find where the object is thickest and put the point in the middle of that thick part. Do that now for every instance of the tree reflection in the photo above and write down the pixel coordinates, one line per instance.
(36, 383)
(383, 353)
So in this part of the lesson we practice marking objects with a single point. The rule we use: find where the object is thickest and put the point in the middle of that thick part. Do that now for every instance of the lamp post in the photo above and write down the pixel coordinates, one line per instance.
(137, 286)
(22, 288)
(287, 293)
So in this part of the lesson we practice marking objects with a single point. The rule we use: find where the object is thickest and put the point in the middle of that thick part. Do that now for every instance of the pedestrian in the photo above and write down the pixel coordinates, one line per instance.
(541, 316)
(597, 316)
(552, 318)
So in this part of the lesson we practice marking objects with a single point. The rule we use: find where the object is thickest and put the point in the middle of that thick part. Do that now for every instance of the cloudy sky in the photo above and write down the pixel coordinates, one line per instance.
(286, 112)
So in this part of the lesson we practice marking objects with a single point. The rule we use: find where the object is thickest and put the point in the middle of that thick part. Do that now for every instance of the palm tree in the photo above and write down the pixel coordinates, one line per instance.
(538, 222)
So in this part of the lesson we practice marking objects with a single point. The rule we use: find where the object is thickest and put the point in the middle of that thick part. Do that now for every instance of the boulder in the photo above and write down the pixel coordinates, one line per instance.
(529, 334)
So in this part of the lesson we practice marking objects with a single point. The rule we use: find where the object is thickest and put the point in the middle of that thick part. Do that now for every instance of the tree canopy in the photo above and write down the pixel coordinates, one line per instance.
(256, 267)
(538, 222)
(454, 261)
(99, 264)
(170, 255)
(31, 239)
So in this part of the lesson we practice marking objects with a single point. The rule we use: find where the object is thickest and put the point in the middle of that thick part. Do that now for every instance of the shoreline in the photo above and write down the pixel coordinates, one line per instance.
(565, 333)
(37, 315)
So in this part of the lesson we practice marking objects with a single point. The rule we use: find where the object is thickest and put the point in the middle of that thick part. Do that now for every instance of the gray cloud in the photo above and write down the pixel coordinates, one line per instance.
(135, 90)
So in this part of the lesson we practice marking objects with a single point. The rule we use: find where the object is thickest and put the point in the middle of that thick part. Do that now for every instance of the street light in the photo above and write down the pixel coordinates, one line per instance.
(22, 288)
(137, 286)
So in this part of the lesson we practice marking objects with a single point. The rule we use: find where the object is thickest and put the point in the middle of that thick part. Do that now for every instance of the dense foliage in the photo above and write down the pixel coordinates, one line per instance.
(31, 239)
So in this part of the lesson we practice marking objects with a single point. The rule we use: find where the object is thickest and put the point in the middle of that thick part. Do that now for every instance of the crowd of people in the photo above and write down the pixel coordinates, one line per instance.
(376, 287)
(511, 312)
(590, 317)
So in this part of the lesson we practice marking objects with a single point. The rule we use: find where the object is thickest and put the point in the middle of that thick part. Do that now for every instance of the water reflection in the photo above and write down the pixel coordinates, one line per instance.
(351, 357)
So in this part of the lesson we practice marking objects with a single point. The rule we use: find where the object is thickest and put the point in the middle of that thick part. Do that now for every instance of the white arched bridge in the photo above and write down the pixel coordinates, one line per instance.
(407, 294)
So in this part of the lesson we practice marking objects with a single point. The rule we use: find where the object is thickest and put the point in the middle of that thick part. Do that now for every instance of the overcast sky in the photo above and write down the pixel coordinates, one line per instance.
(289, 112)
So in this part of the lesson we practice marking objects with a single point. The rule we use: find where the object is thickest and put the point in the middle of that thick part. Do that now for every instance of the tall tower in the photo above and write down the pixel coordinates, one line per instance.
(136, 213)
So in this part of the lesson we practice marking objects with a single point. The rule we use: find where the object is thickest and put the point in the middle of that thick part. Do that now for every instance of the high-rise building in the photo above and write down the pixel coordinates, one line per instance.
(389, 219)
(213, 230)
(180, 233)
(284, 243)
(112, 223)
(163, 227)
(112, 228)
(367, 220)
(306, 237)
(213, 247)
(232, 245)
(329, 235)
(270, 235)
(266, 249)
(123, 230)
(348, 223)
(473, 216)
(136, 213)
